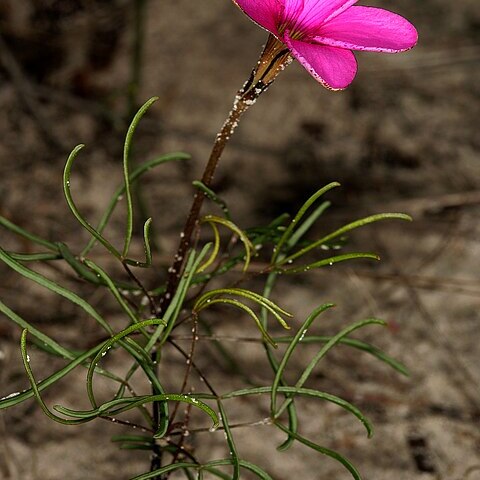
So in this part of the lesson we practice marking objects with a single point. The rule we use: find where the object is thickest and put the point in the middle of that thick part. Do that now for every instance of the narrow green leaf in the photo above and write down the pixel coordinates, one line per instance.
(341, 231)
(161, 334)
(245, 308)
(76, 265)
(216, 249)
(353, 343)
(189, 475)
(304, 392)
(244, 464)
(34, 257)
(126, 173)
(57, 348)
(325, 349)
(288, 232)
(84, 272)
(113, 289)
(289, 352)
(16, 398)
(36, 391)
(255, 297)
(214, 197)
(54, 287)
(135, 446)
(108, 345)
(306, 225)
(74, 209)
(291, 409)
(161, 471)
(324, 451)
(215, 471)
(209, 467)
(330, 261)
(25, 234)
(236, 230)
(171, 315)
(121, 405)
(230, 441)
(134, 176)
(146, 242)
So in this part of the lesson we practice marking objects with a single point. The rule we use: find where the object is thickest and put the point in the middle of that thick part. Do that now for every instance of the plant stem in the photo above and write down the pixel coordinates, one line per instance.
(274, 58)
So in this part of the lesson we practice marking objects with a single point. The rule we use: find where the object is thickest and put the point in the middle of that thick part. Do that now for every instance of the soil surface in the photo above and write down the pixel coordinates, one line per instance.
(404, 137)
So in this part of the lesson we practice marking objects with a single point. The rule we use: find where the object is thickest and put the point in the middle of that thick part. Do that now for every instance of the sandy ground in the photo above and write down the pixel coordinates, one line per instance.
(404, 137)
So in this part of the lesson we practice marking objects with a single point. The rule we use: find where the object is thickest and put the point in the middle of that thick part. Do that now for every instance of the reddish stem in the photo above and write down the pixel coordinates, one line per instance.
(273, 60)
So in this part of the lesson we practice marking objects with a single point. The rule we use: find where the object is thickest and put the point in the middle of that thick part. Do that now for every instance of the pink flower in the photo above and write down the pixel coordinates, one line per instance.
(321, 34)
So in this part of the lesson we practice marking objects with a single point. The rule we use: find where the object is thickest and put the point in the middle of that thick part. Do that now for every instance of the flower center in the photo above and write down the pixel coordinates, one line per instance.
(294, 25)
(292, 28)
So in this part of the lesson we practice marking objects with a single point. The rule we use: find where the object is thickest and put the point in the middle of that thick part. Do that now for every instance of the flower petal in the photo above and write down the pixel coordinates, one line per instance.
(293, 8)
(334, 67)
(368, 28)
(266, 13)
(314, 12)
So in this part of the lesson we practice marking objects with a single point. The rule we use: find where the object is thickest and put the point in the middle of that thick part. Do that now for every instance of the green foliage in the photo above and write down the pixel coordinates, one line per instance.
(147, 330)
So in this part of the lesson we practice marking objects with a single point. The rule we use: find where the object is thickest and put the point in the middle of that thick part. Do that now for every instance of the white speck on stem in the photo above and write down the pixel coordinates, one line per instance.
(302, 336)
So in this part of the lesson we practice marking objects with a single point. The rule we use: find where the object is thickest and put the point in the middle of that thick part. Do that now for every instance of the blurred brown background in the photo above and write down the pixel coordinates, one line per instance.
(403, 137)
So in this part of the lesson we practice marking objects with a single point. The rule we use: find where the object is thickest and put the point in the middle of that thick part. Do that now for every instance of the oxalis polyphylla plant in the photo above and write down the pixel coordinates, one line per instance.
(320, 34)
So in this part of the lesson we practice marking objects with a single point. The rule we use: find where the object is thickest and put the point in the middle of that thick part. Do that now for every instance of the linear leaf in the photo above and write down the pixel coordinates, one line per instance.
(52, 344)
(307, 224)
(134, 176)
(36, 391)
(353, 343)
(289, 352)
(325, 451)
(73, 208)
(304, 392)
(288, 232)
(230, 441)
(330, 261)
(14, 399)
(346, 228)
(216, 249)
(325, 349)
(34, 257)
(245, 308)
(214, 197)
(25, 234)
(120, 405)
(54, 287)
(126, 173)
(244, 464)
(108, 345)
(236, 230)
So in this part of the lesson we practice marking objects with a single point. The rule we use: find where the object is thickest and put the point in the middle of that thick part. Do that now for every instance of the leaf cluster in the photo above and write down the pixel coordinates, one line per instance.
(147, 331)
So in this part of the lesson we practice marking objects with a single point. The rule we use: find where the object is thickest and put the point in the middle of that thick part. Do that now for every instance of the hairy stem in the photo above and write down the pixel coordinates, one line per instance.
(274, 58)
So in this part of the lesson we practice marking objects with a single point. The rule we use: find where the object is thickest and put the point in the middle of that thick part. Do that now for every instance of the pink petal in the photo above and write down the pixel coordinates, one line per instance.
(293, 8)
(314, 12)
(334, 67)
(368, 28)
(266, 13)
